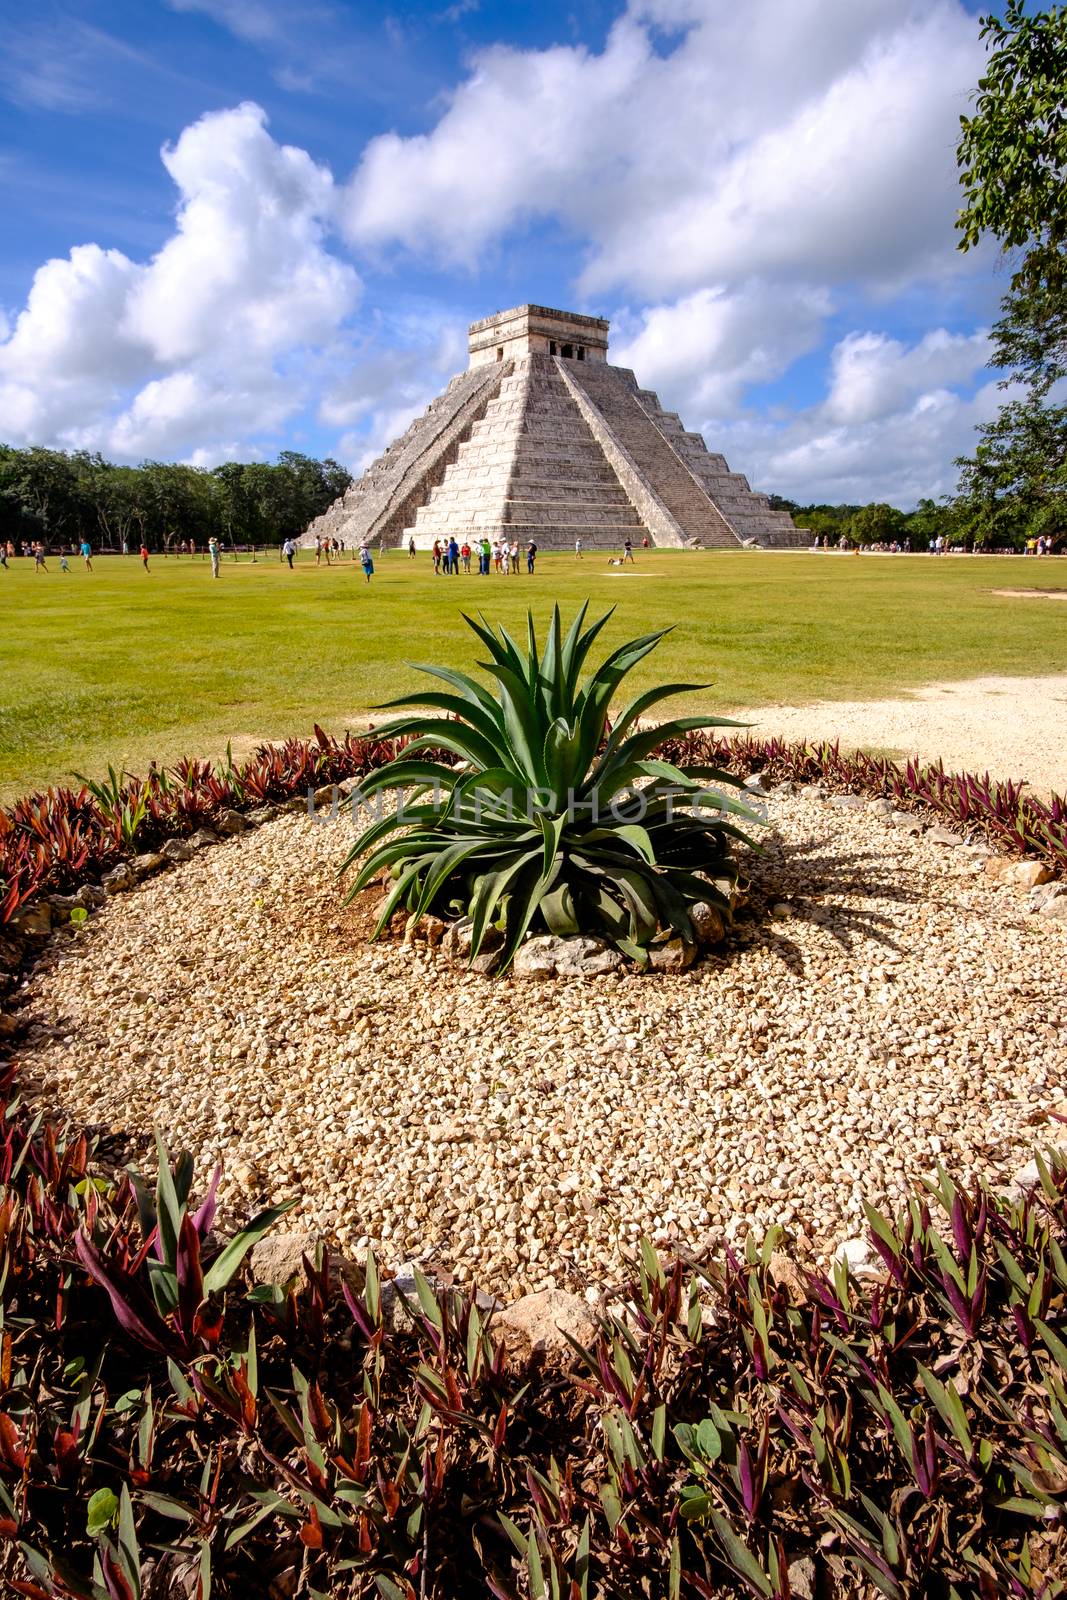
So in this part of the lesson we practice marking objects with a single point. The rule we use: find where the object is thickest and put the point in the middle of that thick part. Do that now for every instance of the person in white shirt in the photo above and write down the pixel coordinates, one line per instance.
(578, 550)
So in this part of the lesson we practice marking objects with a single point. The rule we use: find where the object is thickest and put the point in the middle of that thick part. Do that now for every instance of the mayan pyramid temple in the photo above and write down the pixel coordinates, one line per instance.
(542, 438)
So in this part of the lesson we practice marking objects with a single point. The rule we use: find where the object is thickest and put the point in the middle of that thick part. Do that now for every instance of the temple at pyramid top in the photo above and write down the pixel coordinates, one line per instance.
(543, 439)
(537, 330)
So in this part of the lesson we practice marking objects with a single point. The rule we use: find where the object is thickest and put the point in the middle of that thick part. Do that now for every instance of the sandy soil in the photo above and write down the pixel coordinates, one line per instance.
(1032, 594)
(1011, 727)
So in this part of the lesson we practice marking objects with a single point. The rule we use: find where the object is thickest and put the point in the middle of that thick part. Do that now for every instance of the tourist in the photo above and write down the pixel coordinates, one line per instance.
(214, 552)
(437, 558)
(465, 552)
(39, 563)
(628, 550)
(125, 547)
(578, 550)
(144, 555)
(411, 548)
(644, 542)
(486, 552)
(3, 556)
(365, 561)
(498, 556)
(515, 557)
(326, 550)
(531, 557)
(64, 564)
(289, 551)
(453, 556)
(87, 554)
(318, 549)
(505, 557)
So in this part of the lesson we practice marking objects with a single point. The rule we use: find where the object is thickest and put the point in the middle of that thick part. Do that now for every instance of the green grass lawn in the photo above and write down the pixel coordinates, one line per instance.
(121, 666)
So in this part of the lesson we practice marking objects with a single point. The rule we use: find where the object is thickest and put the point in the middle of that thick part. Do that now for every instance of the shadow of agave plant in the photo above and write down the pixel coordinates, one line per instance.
(552, 822)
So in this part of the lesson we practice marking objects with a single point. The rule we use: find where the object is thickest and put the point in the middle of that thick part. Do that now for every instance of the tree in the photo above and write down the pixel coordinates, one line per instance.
(1013, 159)
(876, 524)
(1012, 153)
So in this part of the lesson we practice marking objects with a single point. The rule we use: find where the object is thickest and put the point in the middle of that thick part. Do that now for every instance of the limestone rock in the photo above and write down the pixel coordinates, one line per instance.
(177, 850)
(944, 836)
(998, 867)
(803, 1578)
(1030, 874)
(230, 822)
(277, 1259)
(1025, 1180)
(119, 879)
(755, 785)
(32, 922)
(708, 923)
(1055, 907)
(261, 814)
(538, 1325)
(906, 822)
(203, 837)
(582, 956)
(144, 866)
(785, 1272)
(881, 807)
(456, 940)
(812, 791)
(861, 1258)
(674, 955)
(846, 802)
(89, 896)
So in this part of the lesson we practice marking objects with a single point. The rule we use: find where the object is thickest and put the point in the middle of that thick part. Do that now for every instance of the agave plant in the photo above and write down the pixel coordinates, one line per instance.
(550, 820)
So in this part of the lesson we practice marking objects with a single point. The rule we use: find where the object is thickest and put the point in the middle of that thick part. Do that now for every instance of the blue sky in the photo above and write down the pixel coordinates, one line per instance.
(235, 226)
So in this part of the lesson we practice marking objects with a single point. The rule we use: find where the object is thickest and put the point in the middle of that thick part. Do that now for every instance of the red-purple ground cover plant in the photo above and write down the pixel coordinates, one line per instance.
(169, 1429)
(56, 841)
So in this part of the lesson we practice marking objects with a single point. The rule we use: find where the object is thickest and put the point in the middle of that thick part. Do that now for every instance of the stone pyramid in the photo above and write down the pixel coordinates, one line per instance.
(541, 438)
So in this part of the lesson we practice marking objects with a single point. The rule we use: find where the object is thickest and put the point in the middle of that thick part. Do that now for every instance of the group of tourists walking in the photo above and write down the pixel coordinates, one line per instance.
(497, 555)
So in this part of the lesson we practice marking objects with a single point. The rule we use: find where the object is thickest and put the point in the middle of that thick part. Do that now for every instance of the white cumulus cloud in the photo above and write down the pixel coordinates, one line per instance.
(207, 335)
(810, 138)
(706, 349)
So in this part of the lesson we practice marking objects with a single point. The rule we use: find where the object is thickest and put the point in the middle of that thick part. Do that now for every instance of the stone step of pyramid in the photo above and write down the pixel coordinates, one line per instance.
(614, 395)
(380, 502)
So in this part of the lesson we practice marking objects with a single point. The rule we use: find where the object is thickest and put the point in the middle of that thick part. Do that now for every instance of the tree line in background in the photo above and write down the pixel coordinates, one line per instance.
(64, 497)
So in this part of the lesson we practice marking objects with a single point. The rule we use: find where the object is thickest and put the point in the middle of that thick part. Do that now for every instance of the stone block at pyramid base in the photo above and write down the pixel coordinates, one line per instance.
(542, 440)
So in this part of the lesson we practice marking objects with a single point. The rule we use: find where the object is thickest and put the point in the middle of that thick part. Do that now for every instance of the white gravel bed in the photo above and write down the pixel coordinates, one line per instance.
(904, 1010)
(1022, 717)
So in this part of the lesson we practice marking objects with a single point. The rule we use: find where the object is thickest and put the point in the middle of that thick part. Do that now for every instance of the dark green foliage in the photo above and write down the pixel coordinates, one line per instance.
(1013, 156)
(1012, 152)
(66, 497)
(551, 821)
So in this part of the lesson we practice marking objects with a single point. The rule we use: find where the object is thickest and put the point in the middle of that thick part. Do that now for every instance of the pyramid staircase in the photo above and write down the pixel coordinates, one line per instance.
(542, 439)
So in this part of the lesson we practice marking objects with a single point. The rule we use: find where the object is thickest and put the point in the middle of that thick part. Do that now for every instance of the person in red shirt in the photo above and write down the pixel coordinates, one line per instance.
(144, 557)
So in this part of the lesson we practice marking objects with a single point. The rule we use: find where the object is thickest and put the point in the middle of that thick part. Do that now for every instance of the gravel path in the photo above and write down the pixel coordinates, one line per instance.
(903, 1009)
(950, 720)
